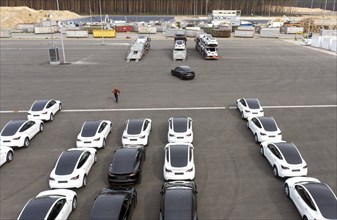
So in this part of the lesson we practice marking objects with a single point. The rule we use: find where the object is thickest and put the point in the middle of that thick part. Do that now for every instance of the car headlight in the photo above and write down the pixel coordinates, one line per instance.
(189, 170)
(78, 139)
(167, 170)
(16, 138)
(75, 177)
(171, 135)
(284, 167)
(247, 111)
(44, 113)
(305, 167)
(279, 133)
(124, 137)
(97, 139)
(262, 133)
(132, 174)
(50, 178)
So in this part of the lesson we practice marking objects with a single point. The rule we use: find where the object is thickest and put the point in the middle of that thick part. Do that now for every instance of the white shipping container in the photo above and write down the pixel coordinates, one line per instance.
(323, 32)
(77, 34)
(147, 30)
(270, 32)
(245, 34)
(316, 41)
(294, 30)
(5, 33)
(45, 30)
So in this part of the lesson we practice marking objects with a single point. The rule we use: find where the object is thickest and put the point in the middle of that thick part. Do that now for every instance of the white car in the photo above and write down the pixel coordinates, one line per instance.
(264, 129)
(54, 204)
(6, 154)
(180, 130)
(285, 159)
(313, 199)
(137, 132)
(72, 168)
(94, 134)
(179, 45)
(249, 107)
(19, 133)
(179, 162)
(44, 110)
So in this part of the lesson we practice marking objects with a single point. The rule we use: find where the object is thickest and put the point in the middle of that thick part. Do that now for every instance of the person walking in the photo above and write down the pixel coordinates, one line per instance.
(116, 93)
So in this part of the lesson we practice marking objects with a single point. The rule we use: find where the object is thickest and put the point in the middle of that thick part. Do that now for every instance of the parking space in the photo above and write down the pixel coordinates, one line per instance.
(296, 86)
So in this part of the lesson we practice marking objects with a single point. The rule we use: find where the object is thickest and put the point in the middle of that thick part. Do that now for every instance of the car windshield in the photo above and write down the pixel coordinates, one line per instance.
(107, 207)
(178, 204)
(186, 68)
(37, 208)
(180, 124)
(39, 105)
(324, 199)
(253, 103)
(12, 127)
(135, 126)
(90, 128)
(290, 153)
(67, 162)
(179, 155)
(268, 124)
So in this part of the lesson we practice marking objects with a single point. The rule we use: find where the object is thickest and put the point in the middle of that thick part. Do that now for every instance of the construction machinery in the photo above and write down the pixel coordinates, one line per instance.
(139, 48)
(207, 46)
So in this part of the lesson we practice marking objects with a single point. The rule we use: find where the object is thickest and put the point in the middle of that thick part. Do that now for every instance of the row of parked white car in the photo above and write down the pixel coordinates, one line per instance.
(312, 198)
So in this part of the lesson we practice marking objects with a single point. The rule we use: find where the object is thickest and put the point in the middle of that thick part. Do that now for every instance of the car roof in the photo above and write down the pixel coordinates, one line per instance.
(179, 124)
(39, 105)
(108, 206)
(90, 128)
(135, 126)
(178, 203)
(67, 162)
(124, 160)
(324, 199)
(268, 123)
(253, 103)
(37, 208)
(179, 155)
(290, 153)
(12, 127)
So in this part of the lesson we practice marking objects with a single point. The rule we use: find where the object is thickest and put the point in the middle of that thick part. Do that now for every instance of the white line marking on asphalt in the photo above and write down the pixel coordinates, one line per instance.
(174, 109)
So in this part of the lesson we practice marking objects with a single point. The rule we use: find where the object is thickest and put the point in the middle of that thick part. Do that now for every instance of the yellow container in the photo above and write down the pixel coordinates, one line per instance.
(106, 33)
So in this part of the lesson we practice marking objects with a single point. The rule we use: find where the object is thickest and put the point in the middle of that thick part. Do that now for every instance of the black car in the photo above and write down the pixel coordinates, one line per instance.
(179, 201)
(114, 204)
(126, 166)
(183, 72)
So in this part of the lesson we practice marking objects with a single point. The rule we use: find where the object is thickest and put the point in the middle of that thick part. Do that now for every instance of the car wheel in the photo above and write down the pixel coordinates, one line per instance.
(74, 204)
(26, 142)
(60, 107)
(51, 118)
(95, 158)
(84, 181)
(41, 127)
(9, 156)
(256, 138)
(286, 190)
(275, 171)
(103, 143)
(261, 151)
(305, 218)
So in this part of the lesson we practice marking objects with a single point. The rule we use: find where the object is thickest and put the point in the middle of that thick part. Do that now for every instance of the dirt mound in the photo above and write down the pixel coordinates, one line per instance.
(10, 17)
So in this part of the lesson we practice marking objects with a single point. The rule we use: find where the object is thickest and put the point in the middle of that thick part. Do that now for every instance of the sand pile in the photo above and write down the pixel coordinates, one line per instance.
(10, 17)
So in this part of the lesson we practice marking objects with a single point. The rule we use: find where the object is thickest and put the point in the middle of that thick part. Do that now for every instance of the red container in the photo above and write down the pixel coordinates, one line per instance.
(124, 28)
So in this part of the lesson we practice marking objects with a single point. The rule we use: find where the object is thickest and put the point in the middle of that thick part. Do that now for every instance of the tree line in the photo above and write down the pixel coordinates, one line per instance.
(169, 7)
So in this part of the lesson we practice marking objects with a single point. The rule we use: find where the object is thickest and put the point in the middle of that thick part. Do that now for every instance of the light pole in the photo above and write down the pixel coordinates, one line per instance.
(312, 2)
(63, 52)
(100, 12)
(90, 12)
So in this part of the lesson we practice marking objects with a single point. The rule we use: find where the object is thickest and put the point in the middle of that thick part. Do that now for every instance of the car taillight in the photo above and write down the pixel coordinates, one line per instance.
(97, 139)
(75, 177)
(167, 170)
(17, 138)
(189, 170)
(285, 168)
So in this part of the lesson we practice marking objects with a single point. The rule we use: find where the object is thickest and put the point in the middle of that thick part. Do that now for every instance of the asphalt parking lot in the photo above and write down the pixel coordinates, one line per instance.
(295, 85)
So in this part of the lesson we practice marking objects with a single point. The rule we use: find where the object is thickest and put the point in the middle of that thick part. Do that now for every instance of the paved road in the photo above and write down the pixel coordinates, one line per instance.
(296, 85)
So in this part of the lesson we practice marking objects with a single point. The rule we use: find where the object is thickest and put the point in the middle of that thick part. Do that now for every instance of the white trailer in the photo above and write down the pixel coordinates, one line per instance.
(139, 48)
(207, 46)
